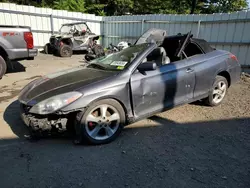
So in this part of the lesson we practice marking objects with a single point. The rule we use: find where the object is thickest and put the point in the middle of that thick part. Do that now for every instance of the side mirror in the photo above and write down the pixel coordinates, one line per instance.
(147, 66)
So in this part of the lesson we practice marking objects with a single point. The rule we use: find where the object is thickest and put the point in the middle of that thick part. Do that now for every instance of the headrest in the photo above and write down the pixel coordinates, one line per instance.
(157, 52)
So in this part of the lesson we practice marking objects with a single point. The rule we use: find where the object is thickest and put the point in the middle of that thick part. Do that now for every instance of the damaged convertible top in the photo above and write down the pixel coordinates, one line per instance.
(153, 34)
(159, 35)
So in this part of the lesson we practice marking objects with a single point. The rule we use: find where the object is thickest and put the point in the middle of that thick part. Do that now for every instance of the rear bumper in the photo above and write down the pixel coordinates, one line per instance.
(17, 54)
(33, 52)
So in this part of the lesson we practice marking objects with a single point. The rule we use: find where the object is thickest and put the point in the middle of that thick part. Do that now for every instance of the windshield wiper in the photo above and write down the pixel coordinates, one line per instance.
(97, 65)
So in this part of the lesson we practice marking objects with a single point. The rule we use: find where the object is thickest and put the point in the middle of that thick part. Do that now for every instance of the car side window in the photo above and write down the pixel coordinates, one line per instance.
(192, 50)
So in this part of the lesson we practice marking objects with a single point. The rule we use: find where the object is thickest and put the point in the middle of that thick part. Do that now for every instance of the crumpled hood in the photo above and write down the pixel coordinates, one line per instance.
(61, 82)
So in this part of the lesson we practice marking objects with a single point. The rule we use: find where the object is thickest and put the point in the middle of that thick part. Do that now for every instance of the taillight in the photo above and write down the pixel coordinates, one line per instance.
(233, 57)
(28, 37)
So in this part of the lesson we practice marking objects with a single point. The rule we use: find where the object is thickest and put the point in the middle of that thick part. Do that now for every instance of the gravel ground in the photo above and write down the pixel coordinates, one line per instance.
(189, 146)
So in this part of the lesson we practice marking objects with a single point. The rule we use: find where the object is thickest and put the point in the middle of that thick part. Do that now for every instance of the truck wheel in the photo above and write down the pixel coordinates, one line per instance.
(65, 51)
(3, 67)
(47, 49)
(217, 92)
(101, 123)
(98, 50)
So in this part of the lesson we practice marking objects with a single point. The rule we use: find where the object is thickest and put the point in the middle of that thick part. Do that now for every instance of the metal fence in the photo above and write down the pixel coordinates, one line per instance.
(223, 31)
(44, 21)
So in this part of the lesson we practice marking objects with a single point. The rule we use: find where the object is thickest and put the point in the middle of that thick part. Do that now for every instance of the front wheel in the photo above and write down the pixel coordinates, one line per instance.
(48, 49)
(101, 123)
(65, 51)
(218, 91)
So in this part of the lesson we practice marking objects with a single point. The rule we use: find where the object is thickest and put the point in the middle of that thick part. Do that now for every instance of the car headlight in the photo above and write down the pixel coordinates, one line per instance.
(55, 103)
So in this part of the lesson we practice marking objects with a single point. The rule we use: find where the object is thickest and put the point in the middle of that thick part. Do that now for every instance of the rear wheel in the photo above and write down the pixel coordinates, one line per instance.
(218, 91)
(3, 67)
(47, 49)
(101, 123)
(65, 51)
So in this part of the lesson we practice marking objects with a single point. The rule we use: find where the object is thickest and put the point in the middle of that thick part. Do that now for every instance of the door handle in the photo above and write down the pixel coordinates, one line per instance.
(189, 70)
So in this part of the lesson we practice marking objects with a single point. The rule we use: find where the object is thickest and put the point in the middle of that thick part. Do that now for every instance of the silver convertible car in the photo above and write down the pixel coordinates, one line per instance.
(159, 72)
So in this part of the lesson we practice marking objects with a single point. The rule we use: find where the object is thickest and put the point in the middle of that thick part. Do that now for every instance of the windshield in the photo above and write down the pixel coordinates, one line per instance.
(72, 28)
(120, 60)
(66, 28)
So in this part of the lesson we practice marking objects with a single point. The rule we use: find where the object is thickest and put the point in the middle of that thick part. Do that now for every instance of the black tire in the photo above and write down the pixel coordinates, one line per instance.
(89, 57)
(210, 99)
(3, 67)
(47, 49)
(65, 51)
(80, 128)
(98, 50)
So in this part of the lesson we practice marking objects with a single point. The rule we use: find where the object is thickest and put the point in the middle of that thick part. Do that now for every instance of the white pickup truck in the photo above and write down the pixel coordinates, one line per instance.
(16, 43)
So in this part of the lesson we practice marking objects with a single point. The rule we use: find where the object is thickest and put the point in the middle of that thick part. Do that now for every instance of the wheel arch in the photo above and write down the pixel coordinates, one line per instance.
(3, 53)
(67, 41)
(226, 75)
(113, 98)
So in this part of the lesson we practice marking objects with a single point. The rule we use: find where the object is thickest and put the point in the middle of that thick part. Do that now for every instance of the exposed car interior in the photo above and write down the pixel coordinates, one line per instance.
(166, 53)
(173, 44)
(192, 50)
(159, 56)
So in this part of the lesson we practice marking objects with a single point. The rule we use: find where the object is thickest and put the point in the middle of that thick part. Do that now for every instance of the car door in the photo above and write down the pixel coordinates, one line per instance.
(205, 68)
(199, 67)
(159, 89)
(190, 79)
(189, 68)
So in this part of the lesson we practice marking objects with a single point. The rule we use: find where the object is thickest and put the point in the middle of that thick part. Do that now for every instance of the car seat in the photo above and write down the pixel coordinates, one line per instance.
(159, 56)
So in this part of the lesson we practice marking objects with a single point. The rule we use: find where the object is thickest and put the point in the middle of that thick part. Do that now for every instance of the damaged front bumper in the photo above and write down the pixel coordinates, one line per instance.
(43, 123)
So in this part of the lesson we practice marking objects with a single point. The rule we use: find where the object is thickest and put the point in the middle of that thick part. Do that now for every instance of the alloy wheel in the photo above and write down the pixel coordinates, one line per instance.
(102, 122)
(219, 92)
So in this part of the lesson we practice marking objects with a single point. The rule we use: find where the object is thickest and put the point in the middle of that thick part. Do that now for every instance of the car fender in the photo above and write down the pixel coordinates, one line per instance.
(220, 67)
(94, 37)
(120, 93)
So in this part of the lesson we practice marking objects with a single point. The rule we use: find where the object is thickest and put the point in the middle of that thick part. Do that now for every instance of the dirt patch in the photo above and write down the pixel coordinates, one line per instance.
(245, 77)
(10, 94)
(27, 79)
(1, 88)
